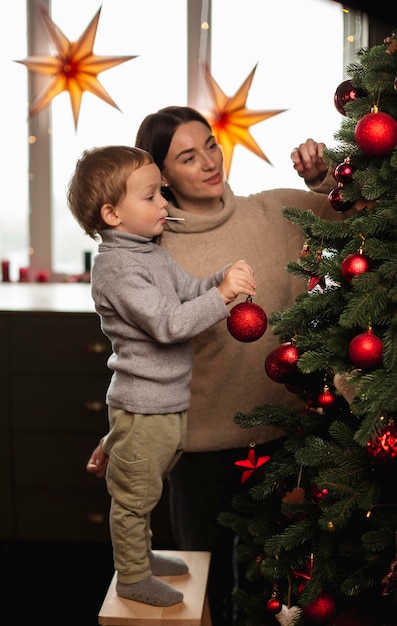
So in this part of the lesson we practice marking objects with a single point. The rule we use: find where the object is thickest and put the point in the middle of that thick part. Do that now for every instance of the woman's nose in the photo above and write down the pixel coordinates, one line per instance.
(208, 162)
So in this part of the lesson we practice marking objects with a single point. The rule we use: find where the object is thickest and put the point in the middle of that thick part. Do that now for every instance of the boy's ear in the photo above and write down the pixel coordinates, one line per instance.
(109, 215)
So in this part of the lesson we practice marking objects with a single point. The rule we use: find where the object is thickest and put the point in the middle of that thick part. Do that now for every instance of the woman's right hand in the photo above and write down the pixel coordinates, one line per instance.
(308, 160)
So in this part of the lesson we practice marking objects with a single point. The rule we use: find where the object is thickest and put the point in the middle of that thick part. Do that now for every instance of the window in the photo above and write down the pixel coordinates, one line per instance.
(297, 46)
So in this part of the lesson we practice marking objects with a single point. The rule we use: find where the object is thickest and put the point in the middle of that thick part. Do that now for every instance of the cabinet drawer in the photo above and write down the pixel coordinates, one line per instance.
(63, 515)
(58, 343)
(51, 460)
(60, 403)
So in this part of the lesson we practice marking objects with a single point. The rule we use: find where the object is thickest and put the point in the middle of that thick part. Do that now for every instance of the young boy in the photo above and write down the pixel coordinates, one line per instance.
(150, 309)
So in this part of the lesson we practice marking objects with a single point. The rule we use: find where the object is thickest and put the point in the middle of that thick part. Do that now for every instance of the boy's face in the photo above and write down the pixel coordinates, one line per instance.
(143, 209)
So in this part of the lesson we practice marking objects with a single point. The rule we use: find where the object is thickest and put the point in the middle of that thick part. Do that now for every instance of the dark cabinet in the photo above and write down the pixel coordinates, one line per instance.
(53, 383)
(54, 380)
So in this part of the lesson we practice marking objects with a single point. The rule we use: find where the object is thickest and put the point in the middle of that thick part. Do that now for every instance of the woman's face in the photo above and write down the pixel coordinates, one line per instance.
(193, 168)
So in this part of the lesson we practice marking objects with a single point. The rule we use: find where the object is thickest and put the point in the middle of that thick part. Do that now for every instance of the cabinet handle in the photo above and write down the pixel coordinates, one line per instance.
(94, 405)
(96, 519)
(97, 348)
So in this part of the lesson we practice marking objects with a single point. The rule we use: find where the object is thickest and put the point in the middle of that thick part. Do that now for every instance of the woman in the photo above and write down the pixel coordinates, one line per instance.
(228, 375)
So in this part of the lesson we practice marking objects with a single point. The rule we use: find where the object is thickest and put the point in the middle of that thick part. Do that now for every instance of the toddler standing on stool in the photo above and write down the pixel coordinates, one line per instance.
(150, 308)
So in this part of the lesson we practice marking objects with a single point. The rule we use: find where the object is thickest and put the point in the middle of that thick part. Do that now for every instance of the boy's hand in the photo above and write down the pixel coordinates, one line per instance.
(239, 278)
(98, 461)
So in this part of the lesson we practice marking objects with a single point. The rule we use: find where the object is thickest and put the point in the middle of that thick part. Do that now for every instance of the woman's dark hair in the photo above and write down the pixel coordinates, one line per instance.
(157, 130)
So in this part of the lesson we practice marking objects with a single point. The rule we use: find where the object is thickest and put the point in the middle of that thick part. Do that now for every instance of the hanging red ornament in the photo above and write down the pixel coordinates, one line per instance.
(343, 172)
(345, 93)
(277, 372)
(320, 611)
(251, 463)
(355, 264)
(247, 321)
(274, 606)
(335, 198)
(287, 354)
(366, 350)
(326, 398)
(384, 446)
(376, 133)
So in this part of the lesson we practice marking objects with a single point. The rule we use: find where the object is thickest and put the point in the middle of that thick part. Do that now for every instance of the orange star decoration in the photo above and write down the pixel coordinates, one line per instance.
(230, 119)
(74, 68)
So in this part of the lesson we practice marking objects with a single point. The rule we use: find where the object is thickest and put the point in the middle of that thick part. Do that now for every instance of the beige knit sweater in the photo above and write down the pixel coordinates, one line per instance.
(229, 375)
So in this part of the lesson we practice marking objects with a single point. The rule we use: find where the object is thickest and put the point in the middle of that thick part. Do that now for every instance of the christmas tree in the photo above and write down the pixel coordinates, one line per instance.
(318, 527)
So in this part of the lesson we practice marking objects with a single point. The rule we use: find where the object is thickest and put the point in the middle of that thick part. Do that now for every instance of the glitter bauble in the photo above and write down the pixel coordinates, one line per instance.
(353, 265)
(247, 321)
(376, 134)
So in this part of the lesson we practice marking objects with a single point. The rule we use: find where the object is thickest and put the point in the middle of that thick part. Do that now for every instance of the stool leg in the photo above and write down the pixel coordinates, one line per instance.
(206, 613)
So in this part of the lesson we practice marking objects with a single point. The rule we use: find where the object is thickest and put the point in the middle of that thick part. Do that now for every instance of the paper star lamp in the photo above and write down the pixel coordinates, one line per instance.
(74, 68)
(231, 120)
(252, 463)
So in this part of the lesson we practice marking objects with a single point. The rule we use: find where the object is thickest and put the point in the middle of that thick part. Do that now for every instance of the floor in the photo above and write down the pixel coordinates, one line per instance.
(63, 584)
(54, 584)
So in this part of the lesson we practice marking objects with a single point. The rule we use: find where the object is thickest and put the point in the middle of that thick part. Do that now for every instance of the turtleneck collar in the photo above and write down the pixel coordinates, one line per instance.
(201, 222)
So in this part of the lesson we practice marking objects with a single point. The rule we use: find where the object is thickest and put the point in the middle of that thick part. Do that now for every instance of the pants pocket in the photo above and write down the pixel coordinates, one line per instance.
(128, 482)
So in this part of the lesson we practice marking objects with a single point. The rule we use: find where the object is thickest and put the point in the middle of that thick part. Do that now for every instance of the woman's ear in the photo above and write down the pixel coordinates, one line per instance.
(109, 215)
(164, 182)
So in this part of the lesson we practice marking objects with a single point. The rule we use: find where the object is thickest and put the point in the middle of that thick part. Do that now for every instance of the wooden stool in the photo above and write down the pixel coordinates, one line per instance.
(193, 611)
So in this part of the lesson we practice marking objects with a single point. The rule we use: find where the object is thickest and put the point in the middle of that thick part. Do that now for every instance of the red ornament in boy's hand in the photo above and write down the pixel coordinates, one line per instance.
(247, 321)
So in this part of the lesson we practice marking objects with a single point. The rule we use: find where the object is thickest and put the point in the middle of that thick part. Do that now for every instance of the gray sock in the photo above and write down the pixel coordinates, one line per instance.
(166, 565)
(150, 591)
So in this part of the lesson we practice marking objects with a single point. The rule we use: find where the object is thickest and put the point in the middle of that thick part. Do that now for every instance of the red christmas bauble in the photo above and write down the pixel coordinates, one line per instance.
(247, 321)
(384, 447)
(320, 611)
(355, 264)
(376, 134)
(274, 606)
(287, 354)
(326, 399)
(276, 372)
(335, 198)
(366, 350)
(343, 172)
(345, 93)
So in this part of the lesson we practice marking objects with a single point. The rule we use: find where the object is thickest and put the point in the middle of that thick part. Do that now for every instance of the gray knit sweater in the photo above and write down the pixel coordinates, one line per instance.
(150, 308)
